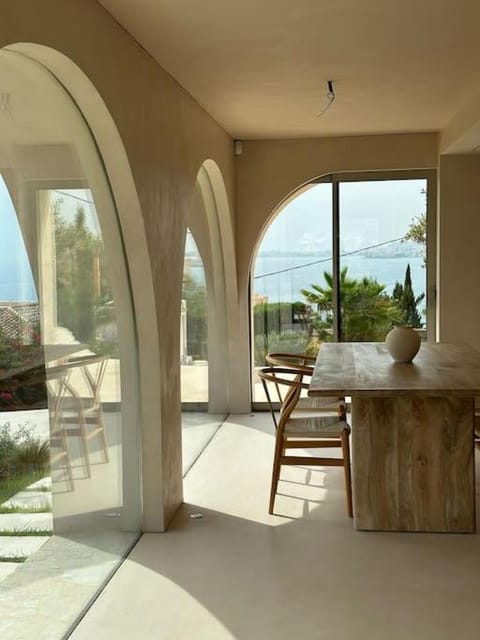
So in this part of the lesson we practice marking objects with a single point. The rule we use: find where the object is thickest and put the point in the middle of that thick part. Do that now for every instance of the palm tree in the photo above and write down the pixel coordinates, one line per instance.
(367, 312)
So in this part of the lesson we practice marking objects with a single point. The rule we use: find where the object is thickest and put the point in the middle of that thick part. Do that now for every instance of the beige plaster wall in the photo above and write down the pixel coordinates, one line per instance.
(459, 256)
(462, 134)
(166, 136)
(269, 170)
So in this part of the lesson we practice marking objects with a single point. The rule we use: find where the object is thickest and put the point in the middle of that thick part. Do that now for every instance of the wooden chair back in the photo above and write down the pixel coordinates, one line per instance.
(93, 380)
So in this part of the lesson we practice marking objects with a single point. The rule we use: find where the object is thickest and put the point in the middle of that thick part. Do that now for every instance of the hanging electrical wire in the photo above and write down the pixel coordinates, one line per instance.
(342, 255)
(330, 98)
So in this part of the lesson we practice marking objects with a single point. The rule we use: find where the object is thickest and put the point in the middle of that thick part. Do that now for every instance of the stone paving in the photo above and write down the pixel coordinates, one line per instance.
(37, 495)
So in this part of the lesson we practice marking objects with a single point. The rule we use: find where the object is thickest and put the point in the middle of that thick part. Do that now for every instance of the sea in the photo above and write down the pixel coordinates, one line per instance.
(281, 278)
(16, 281)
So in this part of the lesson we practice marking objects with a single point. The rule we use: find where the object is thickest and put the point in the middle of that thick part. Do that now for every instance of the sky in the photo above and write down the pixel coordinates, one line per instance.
(370, 213)
(16, 280)
(71, 199)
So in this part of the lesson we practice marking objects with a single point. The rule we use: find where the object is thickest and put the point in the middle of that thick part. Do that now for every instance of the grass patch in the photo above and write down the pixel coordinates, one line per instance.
(17, 509)
(42, 489)
(19, 559)
(12, 485)
(25, 532)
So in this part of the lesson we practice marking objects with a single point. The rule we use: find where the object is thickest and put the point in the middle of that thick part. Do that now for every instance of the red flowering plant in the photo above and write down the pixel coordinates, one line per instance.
(22, 373)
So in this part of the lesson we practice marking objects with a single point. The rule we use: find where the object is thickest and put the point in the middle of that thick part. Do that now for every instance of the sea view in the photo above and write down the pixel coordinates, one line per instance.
(16, 282)
(272, 280)
(281, 278)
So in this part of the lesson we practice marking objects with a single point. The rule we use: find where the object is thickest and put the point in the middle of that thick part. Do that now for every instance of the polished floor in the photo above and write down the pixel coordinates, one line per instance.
(197, 430)
(238, 573)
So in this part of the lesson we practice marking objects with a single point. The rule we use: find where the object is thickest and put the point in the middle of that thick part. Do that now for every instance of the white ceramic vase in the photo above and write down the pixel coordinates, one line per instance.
(403, 343)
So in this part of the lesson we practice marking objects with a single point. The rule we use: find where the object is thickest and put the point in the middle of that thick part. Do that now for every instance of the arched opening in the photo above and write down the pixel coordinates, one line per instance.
(69, 393)
(204, 333)
(343, 259)
(212, 227)
(194, 329)
(123, 190)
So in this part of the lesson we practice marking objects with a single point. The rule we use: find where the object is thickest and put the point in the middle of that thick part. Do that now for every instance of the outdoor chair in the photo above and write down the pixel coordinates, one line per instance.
(81, 413)
(59, 454)
(326, 430)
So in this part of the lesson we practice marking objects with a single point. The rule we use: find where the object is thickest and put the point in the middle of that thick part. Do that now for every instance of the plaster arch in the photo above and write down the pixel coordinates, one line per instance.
(214, 235)
(123, 191)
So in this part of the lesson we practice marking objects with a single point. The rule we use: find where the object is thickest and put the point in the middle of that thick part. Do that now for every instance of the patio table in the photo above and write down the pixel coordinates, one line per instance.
(412, 433)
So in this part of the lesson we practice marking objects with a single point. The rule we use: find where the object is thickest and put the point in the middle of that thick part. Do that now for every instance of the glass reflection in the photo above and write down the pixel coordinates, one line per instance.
(82, 353)
(194, 327)
(70, 502)
(295, 253)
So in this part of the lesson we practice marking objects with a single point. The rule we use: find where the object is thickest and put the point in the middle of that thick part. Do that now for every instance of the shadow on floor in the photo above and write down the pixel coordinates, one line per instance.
(239, 573)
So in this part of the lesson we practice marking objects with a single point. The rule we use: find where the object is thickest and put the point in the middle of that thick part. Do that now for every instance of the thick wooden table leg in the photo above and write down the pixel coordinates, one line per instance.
(413, 466)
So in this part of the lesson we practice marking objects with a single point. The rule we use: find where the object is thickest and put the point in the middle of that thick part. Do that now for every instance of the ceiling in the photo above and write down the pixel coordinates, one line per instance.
(260, 67)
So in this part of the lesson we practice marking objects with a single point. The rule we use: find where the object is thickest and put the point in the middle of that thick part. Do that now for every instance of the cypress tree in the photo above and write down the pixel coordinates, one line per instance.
(407, 301)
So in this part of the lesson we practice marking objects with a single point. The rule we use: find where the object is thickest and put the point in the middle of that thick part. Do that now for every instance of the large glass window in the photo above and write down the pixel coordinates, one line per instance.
(198, 424)
(344, 260)
(295, 252)
(382, 273)
(194, 327)
(70, 502)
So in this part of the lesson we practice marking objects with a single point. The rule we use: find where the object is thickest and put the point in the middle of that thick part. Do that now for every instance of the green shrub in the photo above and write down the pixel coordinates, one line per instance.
(21, 452)
(7, 449)
(278, 316)
(32, 454)
(290, 341)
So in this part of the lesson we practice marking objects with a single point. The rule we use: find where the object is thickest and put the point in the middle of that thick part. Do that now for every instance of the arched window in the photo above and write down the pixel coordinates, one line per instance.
(194, 329)
(343, 260)
(69, 420)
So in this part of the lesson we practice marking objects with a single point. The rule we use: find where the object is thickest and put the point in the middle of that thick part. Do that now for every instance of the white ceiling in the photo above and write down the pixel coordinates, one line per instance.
(260, 67)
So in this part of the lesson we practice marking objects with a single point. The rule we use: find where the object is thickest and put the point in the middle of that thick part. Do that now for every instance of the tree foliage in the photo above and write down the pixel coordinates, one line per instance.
(83, 290)
(195, 295)
(280, 326)
(407, 301)
(275, 316)
(367, 312)
(287, 340)
(417, 232)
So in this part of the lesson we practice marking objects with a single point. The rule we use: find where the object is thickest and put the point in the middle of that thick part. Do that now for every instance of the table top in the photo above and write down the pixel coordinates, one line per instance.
(367, 369)
(60, 351)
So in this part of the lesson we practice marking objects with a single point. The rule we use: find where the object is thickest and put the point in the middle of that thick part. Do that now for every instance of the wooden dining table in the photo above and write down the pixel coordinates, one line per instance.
(412, 433)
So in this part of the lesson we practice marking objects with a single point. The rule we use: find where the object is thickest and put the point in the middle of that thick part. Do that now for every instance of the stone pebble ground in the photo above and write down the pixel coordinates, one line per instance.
(36, 496)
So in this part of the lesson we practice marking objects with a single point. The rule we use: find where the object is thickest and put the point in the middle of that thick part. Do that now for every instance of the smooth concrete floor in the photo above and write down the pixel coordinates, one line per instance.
(304, 573)
(197, 430)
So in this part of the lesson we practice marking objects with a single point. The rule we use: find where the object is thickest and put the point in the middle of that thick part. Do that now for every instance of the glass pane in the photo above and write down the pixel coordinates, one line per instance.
(68, 382)
(80, 334)
(293, 260)
(383, 275)
(194, 326)
(24, 450)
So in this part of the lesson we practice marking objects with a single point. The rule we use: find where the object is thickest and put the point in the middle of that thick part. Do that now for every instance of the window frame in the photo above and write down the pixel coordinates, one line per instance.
(430, 176)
